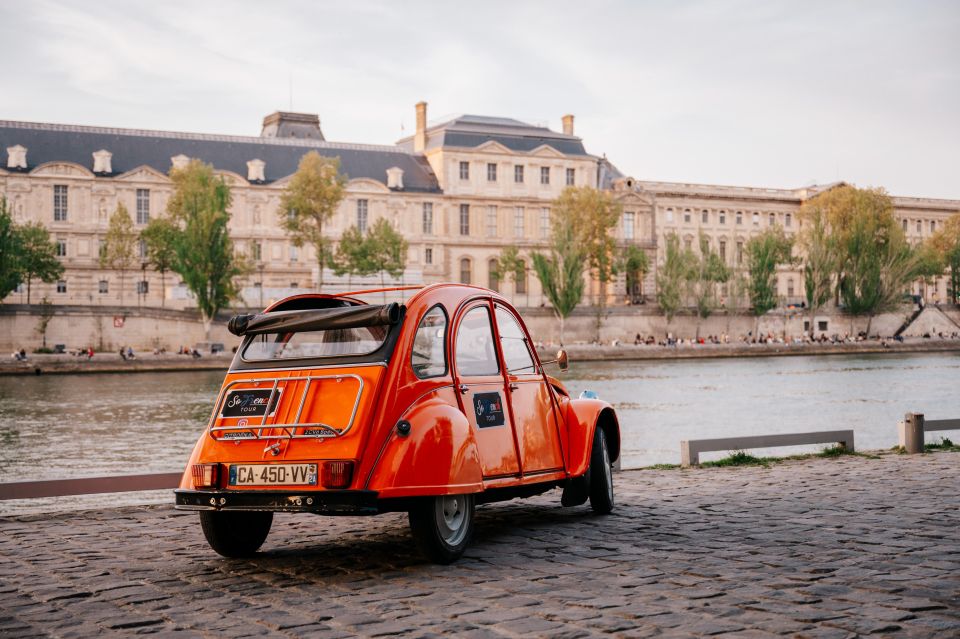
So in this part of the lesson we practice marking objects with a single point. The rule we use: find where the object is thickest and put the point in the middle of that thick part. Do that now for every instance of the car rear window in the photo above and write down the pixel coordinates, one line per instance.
(309, 344)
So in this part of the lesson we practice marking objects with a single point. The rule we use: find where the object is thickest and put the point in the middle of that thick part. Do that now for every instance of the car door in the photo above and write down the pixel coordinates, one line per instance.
(532, 407)
(482, 391)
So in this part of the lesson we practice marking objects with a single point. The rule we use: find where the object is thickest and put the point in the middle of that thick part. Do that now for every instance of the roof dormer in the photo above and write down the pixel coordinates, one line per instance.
(179, 161)
(102, 161)
(255, 170)
(16, 157)
(395, 178)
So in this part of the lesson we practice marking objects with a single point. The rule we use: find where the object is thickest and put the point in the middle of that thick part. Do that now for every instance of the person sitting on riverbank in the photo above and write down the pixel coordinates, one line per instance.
(19, 356)
(123, 354)
(130, 354)
(89, 352)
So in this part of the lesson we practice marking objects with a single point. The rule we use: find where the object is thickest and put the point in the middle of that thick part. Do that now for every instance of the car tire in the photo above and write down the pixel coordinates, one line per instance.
(601, 474)
(442, 526)
(235, 533)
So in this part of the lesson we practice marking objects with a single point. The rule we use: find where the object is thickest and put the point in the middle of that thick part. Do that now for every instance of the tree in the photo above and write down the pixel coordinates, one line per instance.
(38, 256)
(705, 271)
(634, 263)
(946, 242)
(205, 256)
(561, 271)
(510, 266)
(820, 257)
(10, 269)
(765, 252)
(309, 201)
(160, 238)
(119, 247)
(385, 250)
(594, 214)
(672, 275)
(46, 314)
(351, 255)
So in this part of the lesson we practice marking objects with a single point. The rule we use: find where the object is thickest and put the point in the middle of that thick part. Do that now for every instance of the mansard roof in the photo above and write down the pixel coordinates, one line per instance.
(132, 148)
(470, 131)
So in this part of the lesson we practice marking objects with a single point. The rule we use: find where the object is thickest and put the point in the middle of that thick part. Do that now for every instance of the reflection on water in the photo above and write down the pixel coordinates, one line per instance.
(87, 425)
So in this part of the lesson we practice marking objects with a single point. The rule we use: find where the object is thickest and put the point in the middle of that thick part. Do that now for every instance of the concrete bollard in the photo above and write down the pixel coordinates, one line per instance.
(911, 433)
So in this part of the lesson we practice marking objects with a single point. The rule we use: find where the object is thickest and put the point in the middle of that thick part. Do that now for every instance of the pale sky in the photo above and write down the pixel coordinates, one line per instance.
(747, 93)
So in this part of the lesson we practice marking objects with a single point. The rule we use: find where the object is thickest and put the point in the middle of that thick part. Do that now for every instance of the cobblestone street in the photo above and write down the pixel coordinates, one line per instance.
(819, 548)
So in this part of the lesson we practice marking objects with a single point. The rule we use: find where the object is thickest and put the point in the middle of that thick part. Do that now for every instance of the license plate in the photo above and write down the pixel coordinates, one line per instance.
(273, 475)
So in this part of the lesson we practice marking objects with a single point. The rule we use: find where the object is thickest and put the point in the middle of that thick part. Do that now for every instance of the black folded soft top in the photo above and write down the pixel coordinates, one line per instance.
(322, 319)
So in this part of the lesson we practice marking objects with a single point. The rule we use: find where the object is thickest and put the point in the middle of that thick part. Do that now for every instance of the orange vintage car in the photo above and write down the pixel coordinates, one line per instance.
(336, 406)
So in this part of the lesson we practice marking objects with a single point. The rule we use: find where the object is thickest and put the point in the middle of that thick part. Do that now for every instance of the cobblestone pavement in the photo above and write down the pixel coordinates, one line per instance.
(821, 548)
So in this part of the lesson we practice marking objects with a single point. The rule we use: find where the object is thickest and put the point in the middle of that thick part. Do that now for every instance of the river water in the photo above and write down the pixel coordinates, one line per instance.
(62, 426)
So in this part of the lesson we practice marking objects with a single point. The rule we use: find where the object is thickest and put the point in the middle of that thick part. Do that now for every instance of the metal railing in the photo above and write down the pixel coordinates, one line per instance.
(88, 486)
(288, 430)
(690, 449)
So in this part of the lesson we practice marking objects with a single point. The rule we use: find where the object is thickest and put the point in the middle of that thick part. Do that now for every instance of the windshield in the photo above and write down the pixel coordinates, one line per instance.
(308, 344)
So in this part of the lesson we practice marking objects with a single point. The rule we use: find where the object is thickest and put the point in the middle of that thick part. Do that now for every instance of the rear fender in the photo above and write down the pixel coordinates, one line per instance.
(584, 416)
(438, 456)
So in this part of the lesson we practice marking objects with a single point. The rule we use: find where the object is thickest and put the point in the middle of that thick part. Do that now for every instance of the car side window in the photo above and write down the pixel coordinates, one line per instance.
(516, 352)
(429, 358)
(475, 350)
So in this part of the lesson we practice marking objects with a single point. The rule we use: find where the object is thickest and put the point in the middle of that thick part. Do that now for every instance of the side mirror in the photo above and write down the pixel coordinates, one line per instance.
(563, 360)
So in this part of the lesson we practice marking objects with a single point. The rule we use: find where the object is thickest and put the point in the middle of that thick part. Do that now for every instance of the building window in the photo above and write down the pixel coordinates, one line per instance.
(62, 286)
(518, 225)
(101, 247)
(294, 285)
(739, 218)
(104, 287)
(362, 215)
(919, 226)
(688, 244)
(544, 175)
(143, 206)
(428, 256)
(142, 249)
(491, 172)
(61, 248)
(143, 287)
(723, 217)
(493, 277)
(464, 170)
(518, 174)
(756, 218)
(520, 278)
(723, 251)
(669, 215)
(789, 287)
(256, 250)
(294, 253)
(544, 222)
(739, 253)
(571, 177)
(787, 220)
(773, 219)
(628, 219)
(705, 217)
(428, 218)
(933, 226)
(59, 203)
(904, 226)
(686, 216)
(491, 221)
(465, 274)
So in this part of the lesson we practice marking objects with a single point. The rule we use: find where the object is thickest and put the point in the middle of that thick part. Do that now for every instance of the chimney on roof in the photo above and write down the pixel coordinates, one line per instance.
(102, 161)
(16, 157)
(420, 138)
(283, 124)
(568, 124)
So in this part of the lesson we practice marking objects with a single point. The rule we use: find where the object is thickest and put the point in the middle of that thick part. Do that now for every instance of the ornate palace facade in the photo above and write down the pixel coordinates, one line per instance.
(459, 191)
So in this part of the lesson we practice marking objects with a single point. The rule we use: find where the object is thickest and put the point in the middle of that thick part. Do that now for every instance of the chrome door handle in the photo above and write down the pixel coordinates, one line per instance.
(514, 387)
(463, 388)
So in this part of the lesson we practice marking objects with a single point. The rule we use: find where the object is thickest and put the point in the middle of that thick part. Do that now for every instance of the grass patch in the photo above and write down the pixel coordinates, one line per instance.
(737, 458)
(944, 444)
(661, 467)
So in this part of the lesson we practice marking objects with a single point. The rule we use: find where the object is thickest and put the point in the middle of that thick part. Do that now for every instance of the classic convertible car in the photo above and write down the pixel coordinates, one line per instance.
(335, 406)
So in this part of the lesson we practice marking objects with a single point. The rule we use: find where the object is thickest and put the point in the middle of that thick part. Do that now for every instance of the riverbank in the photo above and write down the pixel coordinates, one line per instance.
(603, 352)
(38, 364)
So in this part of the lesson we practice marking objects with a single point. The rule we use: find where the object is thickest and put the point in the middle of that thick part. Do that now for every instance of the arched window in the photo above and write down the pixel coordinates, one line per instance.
(465, 271)
(520, 283)
(493, 277)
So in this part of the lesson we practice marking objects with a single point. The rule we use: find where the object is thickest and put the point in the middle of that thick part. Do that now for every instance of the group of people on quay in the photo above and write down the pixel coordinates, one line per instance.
(768, 338)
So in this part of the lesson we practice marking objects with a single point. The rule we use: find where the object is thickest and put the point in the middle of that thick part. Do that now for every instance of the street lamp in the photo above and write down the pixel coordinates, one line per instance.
(260, 266)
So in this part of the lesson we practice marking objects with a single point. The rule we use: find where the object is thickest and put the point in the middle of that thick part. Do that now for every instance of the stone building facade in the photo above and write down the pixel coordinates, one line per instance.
(460, 191)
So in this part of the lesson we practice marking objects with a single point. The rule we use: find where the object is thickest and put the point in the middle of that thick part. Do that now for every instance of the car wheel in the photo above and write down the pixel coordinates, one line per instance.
(235, 533)
(601, 475)
(442, 526)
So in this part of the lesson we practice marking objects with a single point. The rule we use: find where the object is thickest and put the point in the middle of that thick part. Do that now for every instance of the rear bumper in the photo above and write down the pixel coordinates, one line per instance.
(327, 502)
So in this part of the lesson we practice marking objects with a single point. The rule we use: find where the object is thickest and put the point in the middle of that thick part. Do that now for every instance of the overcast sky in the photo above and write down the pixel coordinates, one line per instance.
(753, 93)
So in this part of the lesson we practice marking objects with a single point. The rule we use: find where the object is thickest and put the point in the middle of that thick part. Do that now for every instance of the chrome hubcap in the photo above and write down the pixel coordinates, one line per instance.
(451, 516)
(607, 470)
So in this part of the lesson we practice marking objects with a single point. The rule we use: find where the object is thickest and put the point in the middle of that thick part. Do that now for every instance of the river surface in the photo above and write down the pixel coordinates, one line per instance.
(62, 426)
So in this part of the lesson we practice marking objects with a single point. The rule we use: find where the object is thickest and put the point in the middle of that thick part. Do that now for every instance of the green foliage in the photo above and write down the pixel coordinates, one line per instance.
(766, 252)
(635, 263)
(820, 252)
(119, 247)
(704, 272)
(10, 253)
(946, 243)
(737, 458)
(205, 257)
(160, 238)
(509, 264)
(561, 270)
(385, 249)
(672, 276)
(38, 256)
(351, 255)
(309, 200)
(43, 321)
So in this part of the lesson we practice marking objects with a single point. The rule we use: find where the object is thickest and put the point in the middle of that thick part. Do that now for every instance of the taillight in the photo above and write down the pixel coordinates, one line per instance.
(206, 475)
(336, 474)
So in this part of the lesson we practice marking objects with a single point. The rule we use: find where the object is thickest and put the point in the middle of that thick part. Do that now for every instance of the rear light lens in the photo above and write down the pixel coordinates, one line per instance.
(206, 475)
(336, 474)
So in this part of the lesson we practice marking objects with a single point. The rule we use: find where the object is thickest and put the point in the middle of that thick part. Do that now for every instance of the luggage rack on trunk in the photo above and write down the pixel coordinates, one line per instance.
(288, 430)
